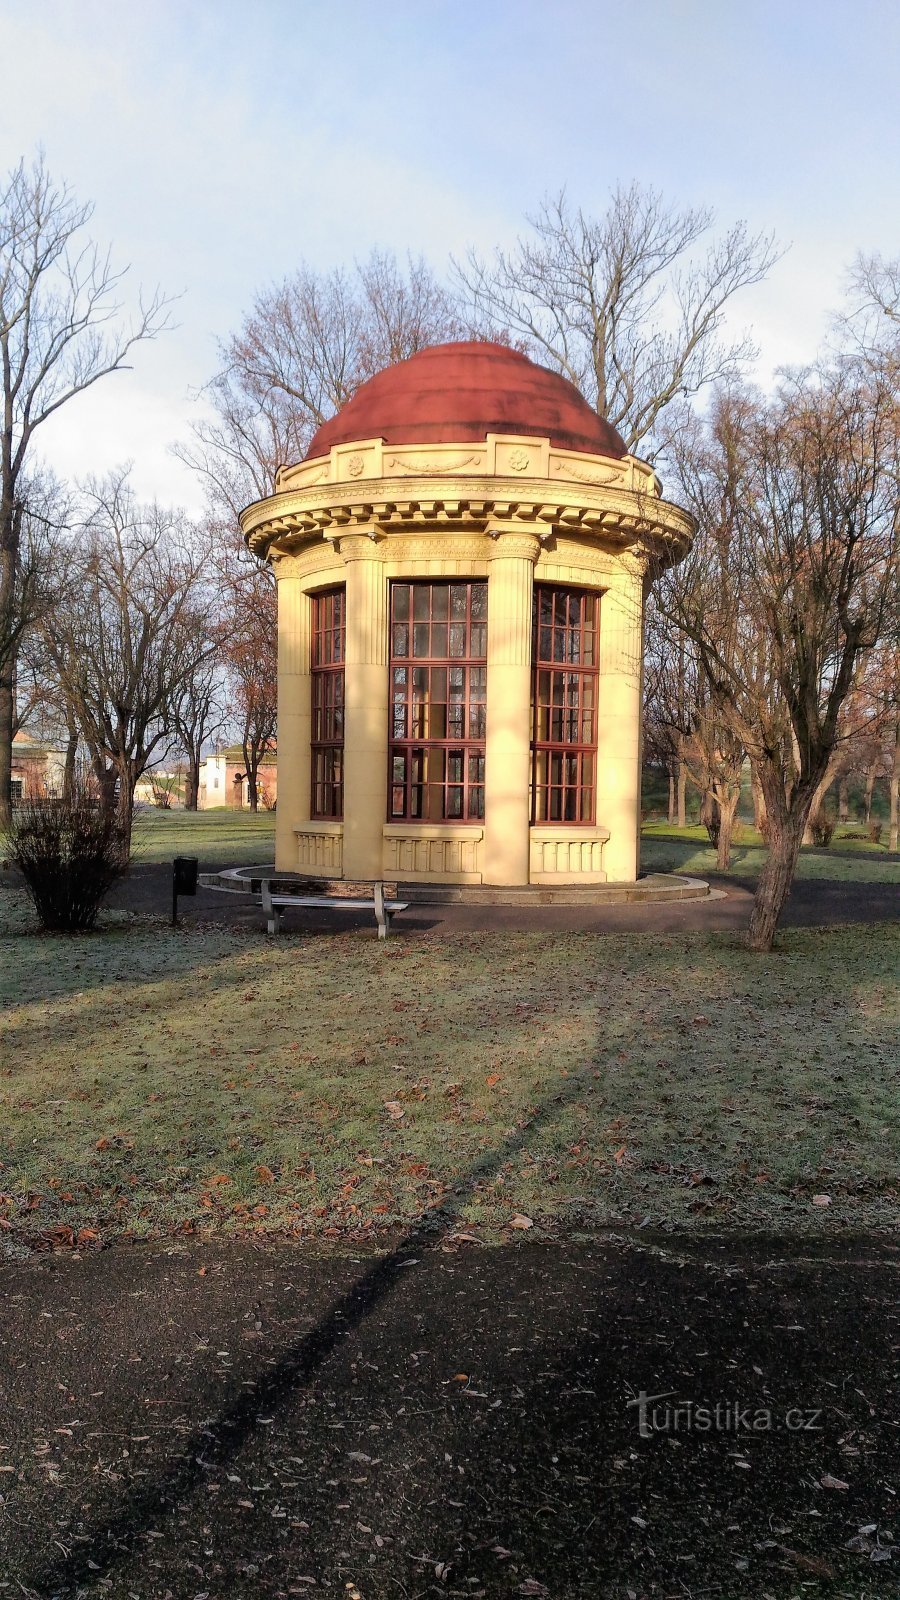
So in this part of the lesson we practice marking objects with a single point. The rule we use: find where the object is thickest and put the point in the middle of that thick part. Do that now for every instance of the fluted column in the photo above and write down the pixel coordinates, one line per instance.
(507, 799)
(294, 714)
(365, 707)
(619, 723)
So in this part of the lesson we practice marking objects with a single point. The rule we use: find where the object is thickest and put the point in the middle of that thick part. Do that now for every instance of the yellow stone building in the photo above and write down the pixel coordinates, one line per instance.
(462, 563)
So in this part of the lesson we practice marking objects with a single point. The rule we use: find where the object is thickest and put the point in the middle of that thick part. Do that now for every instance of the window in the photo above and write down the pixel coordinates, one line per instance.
(438, 697)
(328, 634)
(564, 705)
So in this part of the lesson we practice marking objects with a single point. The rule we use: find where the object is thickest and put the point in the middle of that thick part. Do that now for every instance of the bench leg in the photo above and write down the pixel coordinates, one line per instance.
(274, 923)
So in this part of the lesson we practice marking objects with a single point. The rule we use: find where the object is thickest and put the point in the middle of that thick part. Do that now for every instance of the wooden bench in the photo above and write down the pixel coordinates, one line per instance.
(385, 910)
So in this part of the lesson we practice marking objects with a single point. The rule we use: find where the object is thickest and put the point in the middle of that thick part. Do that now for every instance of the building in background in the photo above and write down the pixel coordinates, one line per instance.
(38, 767)
(223, 780)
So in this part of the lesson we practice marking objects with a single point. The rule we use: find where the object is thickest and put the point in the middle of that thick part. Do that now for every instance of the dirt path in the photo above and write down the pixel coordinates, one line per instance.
(227, 1421)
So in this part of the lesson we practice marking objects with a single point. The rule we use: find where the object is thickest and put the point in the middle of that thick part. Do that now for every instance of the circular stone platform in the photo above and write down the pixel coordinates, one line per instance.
(655, 886)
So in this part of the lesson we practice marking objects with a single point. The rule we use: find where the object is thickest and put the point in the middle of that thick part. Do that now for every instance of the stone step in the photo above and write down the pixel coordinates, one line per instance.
(657, 886)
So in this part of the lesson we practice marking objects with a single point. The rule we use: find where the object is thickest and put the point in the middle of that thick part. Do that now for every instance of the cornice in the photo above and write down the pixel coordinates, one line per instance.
(546, 506)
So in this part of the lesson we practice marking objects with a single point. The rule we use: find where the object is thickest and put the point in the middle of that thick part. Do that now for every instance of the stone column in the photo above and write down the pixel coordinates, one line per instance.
(619, 723)
(507, 797)
(365, 707)
(294, 713)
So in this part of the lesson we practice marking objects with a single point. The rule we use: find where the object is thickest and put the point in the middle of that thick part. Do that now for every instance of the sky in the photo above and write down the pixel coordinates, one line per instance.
(221, 144)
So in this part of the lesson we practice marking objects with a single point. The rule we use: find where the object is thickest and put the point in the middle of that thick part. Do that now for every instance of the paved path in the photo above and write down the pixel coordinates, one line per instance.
(216, 1421)
(811, 904)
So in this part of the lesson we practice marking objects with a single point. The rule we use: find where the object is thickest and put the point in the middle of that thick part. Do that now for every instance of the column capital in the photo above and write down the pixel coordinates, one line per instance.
(357, 546)
(520, 545)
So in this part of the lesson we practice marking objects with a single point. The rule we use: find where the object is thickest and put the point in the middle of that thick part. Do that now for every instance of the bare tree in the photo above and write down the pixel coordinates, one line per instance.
(689, 732)
(37, 567)
(797, 553)
(251, 660)
(304, 349)
(60, 332)
(622, 304)
(198, 715)
(132, 628)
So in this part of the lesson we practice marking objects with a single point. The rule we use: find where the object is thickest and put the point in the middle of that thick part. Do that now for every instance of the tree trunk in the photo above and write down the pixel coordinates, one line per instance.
(125, 809)
(709, 816)
(672, 802)
(6, 724)
(727, 803)
(71, 761)
(870, 788)
(894, 786)
(775, 879)
(817, 803)
(843, 798)
(759, 805)
(682, 795)
(192, 784)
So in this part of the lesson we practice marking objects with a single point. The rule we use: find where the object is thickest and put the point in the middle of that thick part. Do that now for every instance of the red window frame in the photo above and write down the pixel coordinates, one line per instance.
(329, 634)
(565, 681)
(438, 710)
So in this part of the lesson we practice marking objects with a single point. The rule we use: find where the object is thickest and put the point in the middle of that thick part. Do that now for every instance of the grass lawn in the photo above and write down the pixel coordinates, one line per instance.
(155, 1079)
(852, 858)
(219, 838)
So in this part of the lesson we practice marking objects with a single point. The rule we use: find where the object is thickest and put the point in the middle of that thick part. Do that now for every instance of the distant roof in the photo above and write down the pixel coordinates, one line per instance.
(459, 393)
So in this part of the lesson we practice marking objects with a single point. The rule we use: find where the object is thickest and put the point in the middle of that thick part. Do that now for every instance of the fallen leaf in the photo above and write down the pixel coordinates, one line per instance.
(821, 1199)
(394, 1110)
(519, 1221)
(102, 1144)
(813, 1564)
(828, 1482)
(265, 1174)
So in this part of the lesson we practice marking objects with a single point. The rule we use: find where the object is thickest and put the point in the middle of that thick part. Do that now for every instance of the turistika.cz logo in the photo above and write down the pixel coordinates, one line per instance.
(665, 1413)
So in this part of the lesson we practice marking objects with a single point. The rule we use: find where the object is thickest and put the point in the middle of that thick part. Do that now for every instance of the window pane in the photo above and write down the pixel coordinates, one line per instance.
(327, 687)
(564, 699)
(434, 704)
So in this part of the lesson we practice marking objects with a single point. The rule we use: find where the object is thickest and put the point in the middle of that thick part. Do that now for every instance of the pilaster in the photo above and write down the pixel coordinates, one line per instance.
(294, 715)
(508, 741)
(365, 706)
(619, 722)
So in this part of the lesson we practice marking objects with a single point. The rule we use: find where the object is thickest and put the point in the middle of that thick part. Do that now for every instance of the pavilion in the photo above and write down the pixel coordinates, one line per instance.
(462, 561)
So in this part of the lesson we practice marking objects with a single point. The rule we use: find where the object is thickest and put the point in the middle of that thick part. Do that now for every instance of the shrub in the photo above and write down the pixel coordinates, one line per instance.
(70, 852)
(822, 829)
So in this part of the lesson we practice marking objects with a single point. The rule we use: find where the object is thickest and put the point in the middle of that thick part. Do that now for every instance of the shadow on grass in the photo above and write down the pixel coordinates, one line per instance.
(218, 1441)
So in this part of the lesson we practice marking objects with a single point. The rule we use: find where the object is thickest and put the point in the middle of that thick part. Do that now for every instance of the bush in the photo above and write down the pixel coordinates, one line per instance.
(822, 829)
(70, 853)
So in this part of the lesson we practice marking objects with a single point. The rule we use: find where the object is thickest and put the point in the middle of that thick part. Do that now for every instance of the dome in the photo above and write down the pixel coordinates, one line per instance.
(458, 393)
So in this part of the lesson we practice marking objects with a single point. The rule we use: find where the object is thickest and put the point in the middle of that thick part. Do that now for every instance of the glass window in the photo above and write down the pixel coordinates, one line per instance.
(564, 705)
(438, 701)
(327, 669)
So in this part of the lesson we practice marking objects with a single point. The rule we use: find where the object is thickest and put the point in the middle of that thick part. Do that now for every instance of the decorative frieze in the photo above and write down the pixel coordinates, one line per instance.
(320, 849)
(424, 851)
(560, 854)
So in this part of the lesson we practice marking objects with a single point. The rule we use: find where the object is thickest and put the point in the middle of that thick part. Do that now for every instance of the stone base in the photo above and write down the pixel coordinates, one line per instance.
(656, 886)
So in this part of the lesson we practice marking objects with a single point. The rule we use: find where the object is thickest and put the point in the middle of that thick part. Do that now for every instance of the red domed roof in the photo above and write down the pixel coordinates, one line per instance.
(459, 393)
